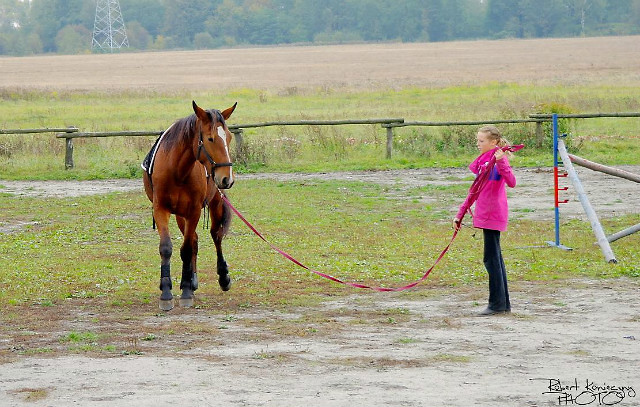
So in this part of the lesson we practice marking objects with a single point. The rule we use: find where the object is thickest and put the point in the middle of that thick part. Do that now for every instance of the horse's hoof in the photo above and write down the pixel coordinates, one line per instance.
(225, 283)
(186, 302)
(166, 305)
(186, 299)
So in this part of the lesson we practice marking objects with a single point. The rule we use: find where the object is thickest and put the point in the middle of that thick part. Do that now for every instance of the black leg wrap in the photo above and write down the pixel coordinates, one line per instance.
(165, 271)
(165, 282)
(189, 280)
(223, 275)
(194, 282)
(165, 287)
(185, 282)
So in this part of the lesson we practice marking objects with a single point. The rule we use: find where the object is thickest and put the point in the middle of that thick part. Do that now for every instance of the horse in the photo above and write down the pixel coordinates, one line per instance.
(187, 170)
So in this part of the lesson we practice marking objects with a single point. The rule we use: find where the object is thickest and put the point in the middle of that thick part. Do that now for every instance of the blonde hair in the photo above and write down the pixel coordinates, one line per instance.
(494, 134)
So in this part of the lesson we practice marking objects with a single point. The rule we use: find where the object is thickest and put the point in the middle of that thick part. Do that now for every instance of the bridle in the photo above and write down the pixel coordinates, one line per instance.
(213, 163)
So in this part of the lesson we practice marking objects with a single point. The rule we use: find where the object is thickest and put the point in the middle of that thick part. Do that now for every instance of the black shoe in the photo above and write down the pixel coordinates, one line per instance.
(488, 311)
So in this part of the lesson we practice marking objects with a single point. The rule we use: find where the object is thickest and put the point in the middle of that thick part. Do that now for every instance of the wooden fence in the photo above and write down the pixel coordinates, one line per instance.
(386, 123)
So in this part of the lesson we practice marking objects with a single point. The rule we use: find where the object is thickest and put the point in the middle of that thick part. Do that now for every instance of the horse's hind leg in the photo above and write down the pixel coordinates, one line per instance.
(188, 254)
(220, 221)
(166, 249)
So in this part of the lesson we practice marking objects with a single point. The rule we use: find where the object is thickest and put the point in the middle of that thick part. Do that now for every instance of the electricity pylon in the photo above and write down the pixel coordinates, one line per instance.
(109, 32)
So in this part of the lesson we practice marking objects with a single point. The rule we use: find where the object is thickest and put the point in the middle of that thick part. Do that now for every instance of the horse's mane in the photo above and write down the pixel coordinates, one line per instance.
(180, 132)
(183, 130)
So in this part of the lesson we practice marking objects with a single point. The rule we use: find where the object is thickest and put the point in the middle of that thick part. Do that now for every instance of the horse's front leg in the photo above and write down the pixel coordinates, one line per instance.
(189, 255)
(220, 220)
(166, 249)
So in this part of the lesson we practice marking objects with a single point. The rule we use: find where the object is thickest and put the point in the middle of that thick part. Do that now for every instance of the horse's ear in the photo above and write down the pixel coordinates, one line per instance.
(227, 113)
(201, 113)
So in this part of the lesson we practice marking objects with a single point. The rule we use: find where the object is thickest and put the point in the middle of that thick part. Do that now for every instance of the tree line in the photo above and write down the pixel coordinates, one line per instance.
(29, 27)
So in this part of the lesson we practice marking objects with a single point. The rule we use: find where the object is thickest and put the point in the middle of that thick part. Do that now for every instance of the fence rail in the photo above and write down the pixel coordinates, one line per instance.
(317, 123)
(108, 134)
(547, 116)
(465, 123)
(33, 131)
(389, 124)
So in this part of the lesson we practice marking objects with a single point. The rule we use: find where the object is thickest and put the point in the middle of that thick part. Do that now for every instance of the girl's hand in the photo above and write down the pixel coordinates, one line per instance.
(456, 224)
(499, 154)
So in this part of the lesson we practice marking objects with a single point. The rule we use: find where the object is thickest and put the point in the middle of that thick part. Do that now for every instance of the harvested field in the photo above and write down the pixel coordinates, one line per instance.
(602, 60)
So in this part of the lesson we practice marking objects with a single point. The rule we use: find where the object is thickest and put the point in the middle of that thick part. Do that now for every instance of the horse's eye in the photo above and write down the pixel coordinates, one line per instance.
(211, 139)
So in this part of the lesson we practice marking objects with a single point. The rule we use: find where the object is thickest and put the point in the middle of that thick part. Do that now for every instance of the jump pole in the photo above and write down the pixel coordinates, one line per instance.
(617, 173)
(628, 231)
(591, 214)
(556, 186)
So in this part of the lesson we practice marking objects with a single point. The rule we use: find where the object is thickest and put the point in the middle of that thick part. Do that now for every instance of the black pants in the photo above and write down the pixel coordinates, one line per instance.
(493, 262)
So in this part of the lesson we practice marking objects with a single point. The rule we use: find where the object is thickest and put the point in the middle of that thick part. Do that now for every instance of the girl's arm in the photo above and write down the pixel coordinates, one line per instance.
(504, 169)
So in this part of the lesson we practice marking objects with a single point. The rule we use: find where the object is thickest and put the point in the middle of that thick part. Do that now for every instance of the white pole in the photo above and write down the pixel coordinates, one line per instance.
(623, 233)
(591, 214)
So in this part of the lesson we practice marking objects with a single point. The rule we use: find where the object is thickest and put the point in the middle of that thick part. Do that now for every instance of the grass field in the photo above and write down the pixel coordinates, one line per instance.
(102, 247)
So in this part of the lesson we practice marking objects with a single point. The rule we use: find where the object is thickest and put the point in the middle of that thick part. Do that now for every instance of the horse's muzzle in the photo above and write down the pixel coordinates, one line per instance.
(224, 182)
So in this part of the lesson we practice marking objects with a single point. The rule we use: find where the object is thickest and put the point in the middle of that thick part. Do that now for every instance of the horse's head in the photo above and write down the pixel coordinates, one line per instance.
(213, 145)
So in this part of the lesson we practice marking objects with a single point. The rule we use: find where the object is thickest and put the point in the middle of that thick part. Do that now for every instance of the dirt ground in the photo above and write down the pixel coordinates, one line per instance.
(435, 352)
(570, 343)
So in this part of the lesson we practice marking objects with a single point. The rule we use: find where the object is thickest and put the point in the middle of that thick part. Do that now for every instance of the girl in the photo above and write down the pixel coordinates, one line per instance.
(491, 214)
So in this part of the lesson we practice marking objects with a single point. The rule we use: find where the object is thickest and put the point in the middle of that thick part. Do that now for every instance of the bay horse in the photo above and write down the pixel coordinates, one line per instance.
(187, 170)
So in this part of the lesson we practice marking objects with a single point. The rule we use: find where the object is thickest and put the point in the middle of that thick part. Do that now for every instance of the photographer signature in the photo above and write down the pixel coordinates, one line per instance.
(587, 392)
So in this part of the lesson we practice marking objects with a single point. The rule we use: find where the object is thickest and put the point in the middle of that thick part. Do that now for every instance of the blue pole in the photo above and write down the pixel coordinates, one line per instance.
(555, 172)
(556, 184)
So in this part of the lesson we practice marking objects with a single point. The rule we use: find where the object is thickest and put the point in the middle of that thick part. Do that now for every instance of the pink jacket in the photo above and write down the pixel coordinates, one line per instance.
(491, 208)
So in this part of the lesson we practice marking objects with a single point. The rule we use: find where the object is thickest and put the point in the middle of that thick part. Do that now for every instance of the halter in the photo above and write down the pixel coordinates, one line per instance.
(214, 164)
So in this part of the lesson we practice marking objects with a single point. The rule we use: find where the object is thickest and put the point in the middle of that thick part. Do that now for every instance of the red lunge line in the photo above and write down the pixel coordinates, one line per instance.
(327, 276)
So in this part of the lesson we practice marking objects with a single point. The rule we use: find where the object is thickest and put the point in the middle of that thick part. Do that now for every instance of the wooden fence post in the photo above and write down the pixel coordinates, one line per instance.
(389, 141)
(238, 138)
(539, 134)
(68, 155)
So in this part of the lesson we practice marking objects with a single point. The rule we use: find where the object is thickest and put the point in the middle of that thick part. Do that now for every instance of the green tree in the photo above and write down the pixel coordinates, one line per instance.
(185, 18)
(50, 16)
(634, 15)
(149, 13)
(227, 23)
(34, 44)
(413, 21)
(13, 15)
(73, 39)
(204, 40)
(436, 25)
(499, 13)
(138, 36)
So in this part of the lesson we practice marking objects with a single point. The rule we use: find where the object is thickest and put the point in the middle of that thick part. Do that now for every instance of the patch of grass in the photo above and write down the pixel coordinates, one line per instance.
(78, 337)
(449, 358)
(32, 395)
(407, 341)
(103, 248)
(39, 351)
